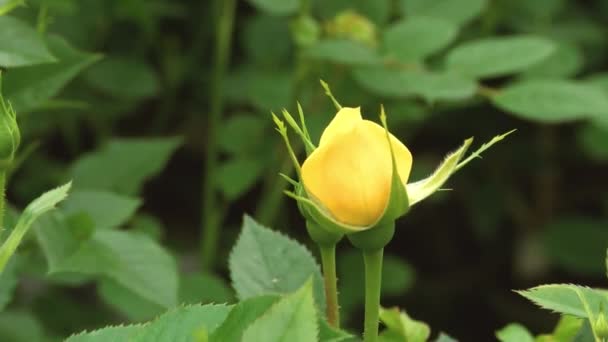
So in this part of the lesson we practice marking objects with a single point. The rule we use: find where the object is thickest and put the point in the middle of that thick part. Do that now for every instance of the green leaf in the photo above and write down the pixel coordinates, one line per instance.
(266, 262)
(124, 78)
(131, 260)
(400, 327)
(416, 38)
(106, 209)
(112, 333)
(204, 288)
(39, 206)
(409, 83)
(456, 11)
(257, 29)
(552, 101)
(242, 316)
(593, 139)
(132, 306)
(242, 134)
(378, 11)
(492, 57)
(29, 88)
(568, 299)
(189, 323)
(514, 332)
(566, 60)
(265, 90)
(8, 283)
(567, 328)
(329, 334)
(238, 175)
(123, 164)
(29, 49)
(343, 51)
(293, 318)
(443, 337)
(586, 240)
(20, 326)
(277, 7)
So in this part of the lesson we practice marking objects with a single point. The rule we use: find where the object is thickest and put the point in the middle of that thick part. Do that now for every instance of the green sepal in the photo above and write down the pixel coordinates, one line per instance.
(322, 237)
(10, 136)
(373, 239)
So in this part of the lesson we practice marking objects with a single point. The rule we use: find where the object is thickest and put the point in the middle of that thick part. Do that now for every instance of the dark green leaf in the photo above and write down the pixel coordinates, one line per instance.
(128, 303)
(124, 78)
(343, 51)
(416, 38)
(204, 288)
(593, 139)
(242, 134)
(242, 316)
(107, 210)
(20, 326)
(8, 283)
(277, 7)
(238, 175)
(457, 11)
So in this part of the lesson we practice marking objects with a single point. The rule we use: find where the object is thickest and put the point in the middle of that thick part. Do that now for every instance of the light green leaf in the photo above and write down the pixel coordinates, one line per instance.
(277, 7)
(8, 283)
(112, 333)
(39, 206)
(29, 49)
(238, 175)
(593, 139)
(493, 57)
(242, 316)
(9, 5)
(123, 164)
(328, 333)
(29, 88)
(552, 101)
(124, 78)
(131, 260)
(568, 299)
(415, 38)
(293, 318)
(456, 11)
(586, 240)
(266, 262)
(107, 210)
(443, 337)
(20, 326)
(514, 332)
(401, 327)
(189, 323)
(567, 328)
(410, 83)
(343, 51)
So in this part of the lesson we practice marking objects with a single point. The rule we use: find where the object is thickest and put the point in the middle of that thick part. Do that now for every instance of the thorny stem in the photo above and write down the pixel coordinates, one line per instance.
(328, 260)
(373, 282)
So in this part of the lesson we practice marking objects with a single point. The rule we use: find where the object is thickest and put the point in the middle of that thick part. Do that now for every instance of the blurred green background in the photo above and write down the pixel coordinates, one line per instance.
(160, 112)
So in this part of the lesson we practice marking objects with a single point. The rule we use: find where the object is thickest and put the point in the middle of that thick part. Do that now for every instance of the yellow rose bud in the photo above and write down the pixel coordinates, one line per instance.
(350, 173)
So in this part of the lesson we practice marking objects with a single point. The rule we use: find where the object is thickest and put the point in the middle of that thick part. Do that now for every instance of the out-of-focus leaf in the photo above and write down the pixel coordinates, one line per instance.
(238, 175)
(265, 89)
(378, 11)
(107, 210)
(514, 332)
(29, 49)
(414, 38)
(409, 83)
(188, 323)
(122, 165)
(131, 260)
(568, 299)
(593, 139)
(204, 288)
(242, 316)
(131, 305)
(401, 327)
(266, 262)
(29, 88)
(586, 242)
(443, 337)
(148, 225)
(566, 60)
(343, 51)
(257, 45)
(9, 5)
(498, 56)
(277, 7)
(20, 326)
(328, 333)
(293, 318)
(8, 283)
(124, 78)
(456, 11)
(242, 134)
(552, 101)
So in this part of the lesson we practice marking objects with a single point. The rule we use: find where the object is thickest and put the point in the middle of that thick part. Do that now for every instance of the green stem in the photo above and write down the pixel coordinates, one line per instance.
(328, 259)
(2, 198)
(211, 219)
(373, 282)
